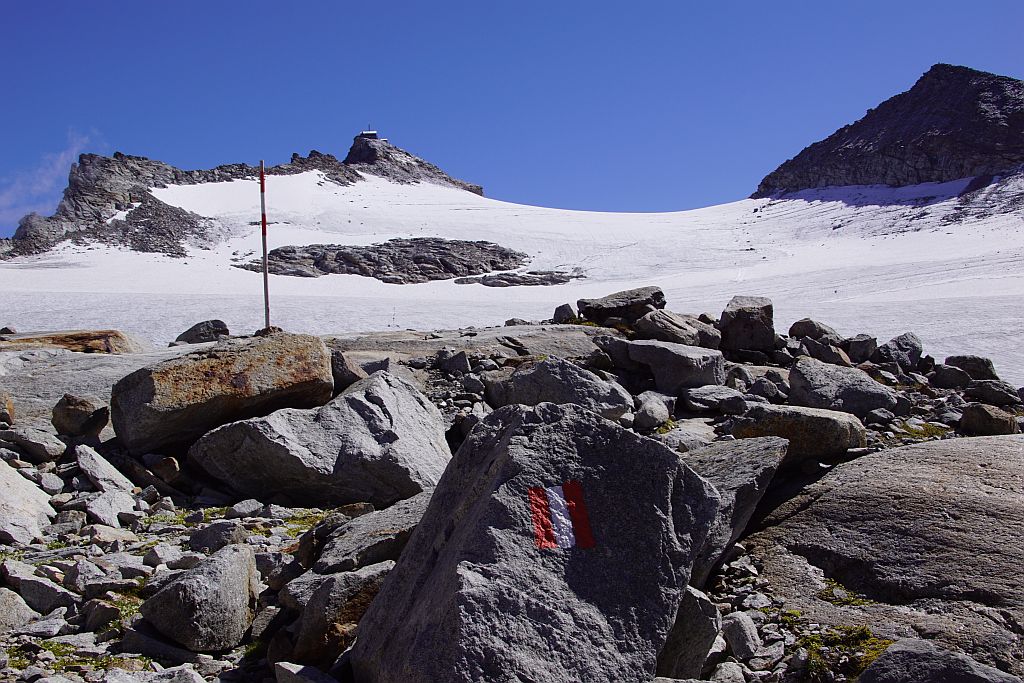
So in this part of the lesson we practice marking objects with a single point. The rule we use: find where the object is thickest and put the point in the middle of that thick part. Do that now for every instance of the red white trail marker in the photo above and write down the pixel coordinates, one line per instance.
(560, 518)
(266, 267)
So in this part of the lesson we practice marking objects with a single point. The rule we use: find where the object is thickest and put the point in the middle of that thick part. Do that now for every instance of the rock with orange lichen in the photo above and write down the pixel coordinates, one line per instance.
(174, 402)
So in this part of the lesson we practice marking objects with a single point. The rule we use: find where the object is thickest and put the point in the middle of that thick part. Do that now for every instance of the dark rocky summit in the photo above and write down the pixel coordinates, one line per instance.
(954, 123)
(397, 261)
(99, 187)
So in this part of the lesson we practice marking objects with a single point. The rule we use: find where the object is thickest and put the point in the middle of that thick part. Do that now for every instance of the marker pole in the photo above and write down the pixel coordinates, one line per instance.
(266, 267)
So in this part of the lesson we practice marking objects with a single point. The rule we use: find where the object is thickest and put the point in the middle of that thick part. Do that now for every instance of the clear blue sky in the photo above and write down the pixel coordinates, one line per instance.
(590, 105)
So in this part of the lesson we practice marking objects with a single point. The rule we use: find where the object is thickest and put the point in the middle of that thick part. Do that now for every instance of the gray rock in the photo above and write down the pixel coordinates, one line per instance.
(827, 353)
(44, 596)
(977, 367)
(748, 324)
(24, 509)
(820, 385)
(741, 472)
(80, 417)
(346, 371)
(564, 314)
(709, 398)
(474, 597)
(629, 305)
(380, 441)
(104, 476)
(904, 350)
(696, 627)
(105, 508)
(209, 607)
(948, 377)
(215, 536)
(297, 593)
(741, 634)
(372, 538)
(245, 508)
(206, 331)
(555, 380)
(452, 361)
(652, 412)
(728, 672)
(767, 389)
(919, 661)
(676, 367)
(993, 392)
(35, 445)
(688, 435)
(813, 433)
(14, 613)
(931, 534)
(327, 625)
(176, 401)
(980, 419)
(678, 329)
(860, 347)
(811, 329)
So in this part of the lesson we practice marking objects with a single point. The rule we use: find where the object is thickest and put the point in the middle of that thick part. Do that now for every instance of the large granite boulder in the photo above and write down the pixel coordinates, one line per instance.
(24, 507)
(379, 441)
(919, 661)
(931, 536)
(176, 401)
(553, 531)
(209, 607)
(748, 324)
(813, 433)
(678, 329)
(904, 350)
(555, 380)
(371, 538)
(981, 419)
(815, 384)
(676, 366)
(79, 416)
(686, 650)
(629, 305)
(977, 367)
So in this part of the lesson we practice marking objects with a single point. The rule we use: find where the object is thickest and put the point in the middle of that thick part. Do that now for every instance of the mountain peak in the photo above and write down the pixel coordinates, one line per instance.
(955, 122)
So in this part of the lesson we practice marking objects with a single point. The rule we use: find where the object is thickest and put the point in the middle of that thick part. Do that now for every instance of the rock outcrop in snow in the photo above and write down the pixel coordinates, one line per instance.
(954, 123)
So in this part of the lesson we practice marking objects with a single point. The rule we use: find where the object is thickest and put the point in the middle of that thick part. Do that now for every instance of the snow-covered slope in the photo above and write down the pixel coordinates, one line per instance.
(863, 259)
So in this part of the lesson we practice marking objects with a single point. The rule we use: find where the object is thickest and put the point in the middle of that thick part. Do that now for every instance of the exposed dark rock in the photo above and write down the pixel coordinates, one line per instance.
(919, 661)
(206, 331)
(813, 433)
(628, 305)
(532, 278)
(381, 158)
(821, 385)
(748, 324)
(677, 328)
(397, 261)
(980, 419)
(992, 391)
(954, 123)
(556, 380)
(977, 367)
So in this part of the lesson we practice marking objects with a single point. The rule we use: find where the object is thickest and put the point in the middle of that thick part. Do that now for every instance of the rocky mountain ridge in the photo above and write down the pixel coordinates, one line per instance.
(955, 122)
(104, 196)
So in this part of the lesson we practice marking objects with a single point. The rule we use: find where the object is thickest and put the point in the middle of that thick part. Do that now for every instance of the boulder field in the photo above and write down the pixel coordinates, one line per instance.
(621, 493)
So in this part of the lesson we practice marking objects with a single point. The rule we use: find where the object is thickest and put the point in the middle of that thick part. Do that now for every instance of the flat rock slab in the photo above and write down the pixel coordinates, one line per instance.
(676, 366)
(933, 533)
(36, 380)
(83, 341)
(177, 401)
(379, 441)
(552, 531)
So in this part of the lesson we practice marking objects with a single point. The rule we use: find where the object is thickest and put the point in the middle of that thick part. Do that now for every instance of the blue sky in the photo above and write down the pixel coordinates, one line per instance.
(589, 105)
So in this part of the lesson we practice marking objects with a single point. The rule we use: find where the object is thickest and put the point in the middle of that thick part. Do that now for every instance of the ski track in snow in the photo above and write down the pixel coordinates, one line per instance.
(869, 259)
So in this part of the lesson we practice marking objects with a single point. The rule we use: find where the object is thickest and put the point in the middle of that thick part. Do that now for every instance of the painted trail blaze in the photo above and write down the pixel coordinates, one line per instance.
(560, 518)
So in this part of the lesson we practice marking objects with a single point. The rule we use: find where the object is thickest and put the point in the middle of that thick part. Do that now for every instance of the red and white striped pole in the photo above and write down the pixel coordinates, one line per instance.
(266, 267)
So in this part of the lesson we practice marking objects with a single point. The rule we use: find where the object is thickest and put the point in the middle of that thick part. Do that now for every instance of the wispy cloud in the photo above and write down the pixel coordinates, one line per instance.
(38, 188)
